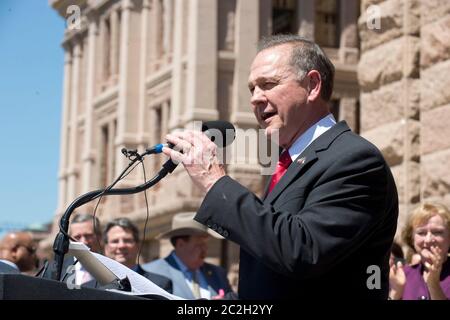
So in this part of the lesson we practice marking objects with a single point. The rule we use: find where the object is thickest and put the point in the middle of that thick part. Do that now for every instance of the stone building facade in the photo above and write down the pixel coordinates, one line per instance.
(137, 69)
(404, 94)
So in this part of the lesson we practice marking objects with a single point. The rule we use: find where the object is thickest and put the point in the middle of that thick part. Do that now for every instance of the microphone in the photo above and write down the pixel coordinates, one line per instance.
(222, 133)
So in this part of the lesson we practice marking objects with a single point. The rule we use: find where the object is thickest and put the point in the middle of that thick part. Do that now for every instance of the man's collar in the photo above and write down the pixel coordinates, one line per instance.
(310, 135)
(180, 263)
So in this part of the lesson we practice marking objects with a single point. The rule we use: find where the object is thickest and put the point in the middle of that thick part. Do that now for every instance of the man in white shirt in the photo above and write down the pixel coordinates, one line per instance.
(81, 229)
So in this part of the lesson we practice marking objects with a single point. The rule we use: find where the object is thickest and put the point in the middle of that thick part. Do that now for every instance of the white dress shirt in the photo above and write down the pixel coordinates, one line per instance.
(302, 142)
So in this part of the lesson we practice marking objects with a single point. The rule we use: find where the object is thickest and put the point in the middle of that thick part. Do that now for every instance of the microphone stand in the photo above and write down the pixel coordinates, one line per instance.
(61, 243)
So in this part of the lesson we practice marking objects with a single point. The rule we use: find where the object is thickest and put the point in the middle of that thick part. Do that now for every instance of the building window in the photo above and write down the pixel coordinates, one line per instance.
(110, 30)
(104, 156)
(227, 24)
(326, 26)
(158, 123)
(106, 51)
(161, 125)
(284, 18)
(107, 152)
(113, 143)
(162, 20)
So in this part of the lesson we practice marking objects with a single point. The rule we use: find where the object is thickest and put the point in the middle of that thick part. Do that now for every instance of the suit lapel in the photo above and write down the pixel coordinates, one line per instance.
(266, 188)
(209, 276)
(305, 159)
(178, 279)
(67, 262)
(295, 169)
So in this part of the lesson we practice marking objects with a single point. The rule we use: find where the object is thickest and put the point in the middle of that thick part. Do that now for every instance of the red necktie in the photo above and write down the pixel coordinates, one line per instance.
(282, 166)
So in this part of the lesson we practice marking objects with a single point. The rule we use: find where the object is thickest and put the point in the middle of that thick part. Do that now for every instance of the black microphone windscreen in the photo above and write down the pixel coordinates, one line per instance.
(220, 132)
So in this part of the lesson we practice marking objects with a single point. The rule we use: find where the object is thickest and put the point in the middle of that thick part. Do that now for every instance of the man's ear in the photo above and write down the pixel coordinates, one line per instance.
(13, 253)
(314, 85)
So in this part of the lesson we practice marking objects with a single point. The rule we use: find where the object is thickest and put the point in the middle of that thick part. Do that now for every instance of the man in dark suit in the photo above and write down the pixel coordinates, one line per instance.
(18, 253)
(192, 277)
(85, 228)
(7, 267)
(18, 250)
(121, 238)
(325, 225)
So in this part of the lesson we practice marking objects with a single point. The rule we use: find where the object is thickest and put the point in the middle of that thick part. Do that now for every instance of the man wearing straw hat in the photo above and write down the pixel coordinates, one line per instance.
(191, 276)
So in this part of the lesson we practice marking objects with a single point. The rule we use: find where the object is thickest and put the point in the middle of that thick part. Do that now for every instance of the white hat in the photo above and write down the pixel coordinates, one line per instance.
(183, 224)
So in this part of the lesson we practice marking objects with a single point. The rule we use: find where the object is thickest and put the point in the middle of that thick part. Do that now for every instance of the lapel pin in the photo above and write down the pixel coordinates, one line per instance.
(301, 160)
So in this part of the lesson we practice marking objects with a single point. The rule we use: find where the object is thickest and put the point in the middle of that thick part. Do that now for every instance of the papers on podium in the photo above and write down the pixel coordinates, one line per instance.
(106, 270)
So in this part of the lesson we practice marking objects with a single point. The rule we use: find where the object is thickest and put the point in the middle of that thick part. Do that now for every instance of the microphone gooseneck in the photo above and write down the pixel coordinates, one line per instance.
(213, 129)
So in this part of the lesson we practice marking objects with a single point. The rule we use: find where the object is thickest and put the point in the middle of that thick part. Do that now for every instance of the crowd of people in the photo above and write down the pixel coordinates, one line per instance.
(184, 272)
(419, 270)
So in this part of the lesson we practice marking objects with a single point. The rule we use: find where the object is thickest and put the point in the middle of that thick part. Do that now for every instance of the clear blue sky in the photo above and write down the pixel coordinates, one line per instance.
(31, 73)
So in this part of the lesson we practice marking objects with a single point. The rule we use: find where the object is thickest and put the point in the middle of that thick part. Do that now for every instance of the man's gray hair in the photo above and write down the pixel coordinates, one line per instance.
(306, 56)
(83, 217)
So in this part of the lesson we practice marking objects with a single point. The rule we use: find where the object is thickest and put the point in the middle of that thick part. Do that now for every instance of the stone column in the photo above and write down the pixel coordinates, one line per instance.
(178, 89)
(114, 45)
(72, 170)
(100, 56)
(201, 81)
(129, 87)
(122, 125)
(104, 48)
(246, 38)
(142, 130)
(88, 158)
(168, 31)
(305, 18)
(348, 43)
(63, 166)
(244, 164)
(155, 34)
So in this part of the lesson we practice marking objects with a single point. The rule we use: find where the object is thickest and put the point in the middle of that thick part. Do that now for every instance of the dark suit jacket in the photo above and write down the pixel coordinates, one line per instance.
(215, 276)
(68, 261)
(331, 217)
(6, 268)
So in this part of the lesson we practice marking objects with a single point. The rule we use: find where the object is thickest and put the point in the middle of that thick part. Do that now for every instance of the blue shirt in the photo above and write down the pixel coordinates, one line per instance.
(187, 273)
